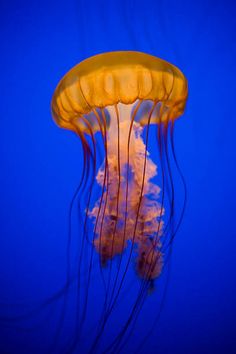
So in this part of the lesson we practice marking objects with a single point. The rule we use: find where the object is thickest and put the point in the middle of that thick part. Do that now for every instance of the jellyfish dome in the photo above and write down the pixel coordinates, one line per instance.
(112, 100)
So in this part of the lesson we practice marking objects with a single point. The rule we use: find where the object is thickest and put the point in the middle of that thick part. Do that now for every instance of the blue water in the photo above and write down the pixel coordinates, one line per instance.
(41, 166)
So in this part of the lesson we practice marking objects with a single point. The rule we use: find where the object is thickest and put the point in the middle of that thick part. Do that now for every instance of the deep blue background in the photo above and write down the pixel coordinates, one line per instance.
(40, 164)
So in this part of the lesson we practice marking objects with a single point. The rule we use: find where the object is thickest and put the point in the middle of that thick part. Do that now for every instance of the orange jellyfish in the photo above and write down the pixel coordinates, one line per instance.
(111, 101)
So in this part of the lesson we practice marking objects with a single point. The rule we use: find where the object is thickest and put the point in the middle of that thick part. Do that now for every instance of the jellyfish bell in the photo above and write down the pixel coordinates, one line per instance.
(119, 95)
(118, 77)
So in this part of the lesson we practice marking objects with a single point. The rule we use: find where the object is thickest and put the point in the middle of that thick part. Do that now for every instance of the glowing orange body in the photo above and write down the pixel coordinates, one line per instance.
(117, 94)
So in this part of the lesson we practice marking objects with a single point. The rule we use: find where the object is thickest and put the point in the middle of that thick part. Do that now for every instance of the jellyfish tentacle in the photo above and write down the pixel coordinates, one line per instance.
(154, 255)
(126, 193)
(153, 262)
(170, 245)
(115, 216)
(143, 289)
(105, 186)
(144, 285)
(118, 193)
(123, 331)
(109, 310)
(142, 184)
(98, 118)
(100, 236)
(147, 274)
(86, 153)
(104, 183)
(165, 136)
(181, 176)
(102, 196)
(171, 192)
(88, 156)
(170, 222)
(78, 328)
(146, 277)
(126, 196)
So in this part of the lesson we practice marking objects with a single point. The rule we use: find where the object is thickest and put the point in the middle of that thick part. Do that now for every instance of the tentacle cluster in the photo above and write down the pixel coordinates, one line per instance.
(110, 212)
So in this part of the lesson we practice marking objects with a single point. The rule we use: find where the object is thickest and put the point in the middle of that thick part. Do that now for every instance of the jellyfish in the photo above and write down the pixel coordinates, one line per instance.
(126, 201)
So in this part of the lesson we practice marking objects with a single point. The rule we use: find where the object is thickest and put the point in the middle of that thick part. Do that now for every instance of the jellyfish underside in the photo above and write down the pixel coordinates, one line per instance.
(126, 201)
(128, 209)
